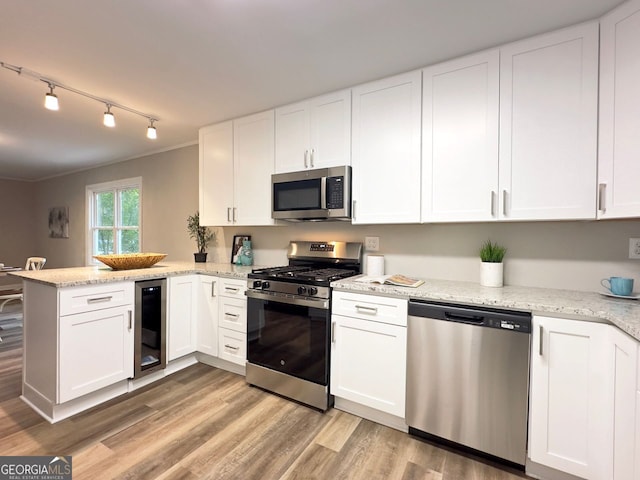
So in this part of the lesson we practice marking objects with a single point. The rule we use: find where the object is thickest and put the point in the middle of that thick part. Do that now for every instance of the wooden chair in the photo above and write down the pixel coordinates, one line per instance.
(33, 263)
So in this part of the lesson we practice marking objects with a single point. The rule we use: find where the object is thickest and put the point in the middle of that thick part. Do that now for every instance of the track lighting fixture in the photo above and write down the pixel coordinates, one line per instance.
(109, 120)
(51, 99)
(151, 130)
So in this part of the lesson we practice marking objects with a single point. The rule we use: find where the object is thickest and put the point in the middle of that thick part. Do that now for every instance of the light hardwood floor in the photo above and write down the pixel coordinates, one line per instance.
(205, 423)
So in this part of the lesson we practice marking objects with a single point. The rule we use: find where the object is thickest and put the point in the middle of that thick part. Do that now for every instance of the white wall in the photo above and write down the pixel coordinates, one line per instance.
(571, 255)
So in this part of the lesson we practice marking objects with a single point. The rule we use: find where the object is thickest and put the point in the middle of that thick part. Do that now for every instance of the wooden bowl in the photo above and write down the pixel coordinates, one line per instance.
(130, 261)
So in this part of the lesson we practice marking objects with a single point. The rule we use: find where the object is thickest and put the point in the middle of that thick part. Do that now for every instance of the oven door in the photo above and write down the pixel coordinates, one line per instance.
(289, 335)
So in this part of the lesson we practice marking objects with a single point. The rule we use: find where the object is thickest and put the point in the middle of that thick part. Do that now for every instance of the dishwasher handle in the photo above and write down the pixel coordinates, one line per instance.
(456, 317)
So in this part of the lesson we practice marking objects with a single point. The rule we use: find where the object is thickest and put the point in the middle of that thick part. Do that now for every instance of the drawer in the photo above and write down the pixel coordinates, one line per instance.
(232, 346)
(230, 287)
(370, 307)
(95, 297)
(233, 314)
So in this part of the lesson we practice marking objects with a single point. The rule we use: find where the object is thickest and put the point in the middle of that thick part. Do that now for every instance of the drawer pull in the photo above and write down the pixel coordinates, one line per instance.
(234, 315)
(232, 289)
(367, 310)
(100, 299)
(231, 347)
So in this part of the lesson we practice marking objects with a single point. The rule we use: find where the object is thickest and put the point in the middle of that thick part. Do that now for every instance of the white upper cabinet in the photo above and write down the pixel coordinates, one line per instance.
(460, 139)
(216, 172)
(236, 163)
(315, 133)
(253, 163)
(619, 146)
(548, 125)
(386, 150)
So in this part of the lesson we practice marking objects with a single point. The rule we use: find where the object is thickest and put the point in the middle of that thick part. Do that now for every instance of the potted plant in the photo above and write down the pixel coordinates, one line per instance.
(492, 268)
(202, 235)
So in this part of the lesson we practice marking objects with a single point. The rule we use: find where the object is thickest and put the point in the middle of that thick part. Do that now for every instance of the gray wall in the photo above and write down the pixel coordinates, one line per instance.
(573, 255)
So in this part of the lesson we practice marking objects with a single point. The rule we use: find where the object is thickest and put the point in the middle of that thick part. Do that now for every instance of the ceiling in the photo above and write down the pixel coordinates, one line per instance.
(190, 63)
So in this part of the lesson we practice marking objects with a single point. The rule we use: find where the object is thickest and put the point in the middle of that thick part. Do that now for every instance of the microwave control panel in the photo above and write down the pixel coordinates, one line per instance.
(335, 192)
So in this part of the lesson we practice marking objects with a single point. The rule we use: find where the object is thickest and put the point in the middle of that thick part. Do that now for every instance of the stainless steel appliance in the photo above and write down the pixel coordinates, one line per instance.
(150, 349)
(289, 320)
(320, 194)
(468, 378)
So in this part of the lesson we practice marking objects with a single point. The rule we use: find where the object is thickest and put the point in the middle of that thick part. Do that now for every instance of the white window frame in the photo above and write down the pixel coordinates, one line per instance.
(91, 190)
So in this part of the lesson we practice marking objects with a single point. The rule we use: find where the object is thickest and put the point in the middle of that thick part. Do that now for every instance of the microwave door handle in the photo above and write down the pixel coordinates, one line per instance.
(323, 193)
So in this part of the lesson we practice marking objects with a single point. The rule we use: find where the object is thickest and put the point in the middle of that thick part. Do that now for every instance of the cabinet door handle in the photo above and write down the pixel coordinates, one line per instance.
(229, 214)
(504, 202)
(602, 191)
(100, 299)
(306, 154)
(130, 320)
(312, 152)
(493, 203)
(231, 347)
(540, 340)
(234, 214)
(368, 310)
(213, 289)
(333, 332)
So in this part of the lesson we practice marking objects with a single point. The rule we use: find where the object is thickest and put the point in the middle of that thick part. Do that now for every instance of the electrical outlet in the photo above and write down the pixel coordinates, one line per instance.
(634, 248)
(371, 244)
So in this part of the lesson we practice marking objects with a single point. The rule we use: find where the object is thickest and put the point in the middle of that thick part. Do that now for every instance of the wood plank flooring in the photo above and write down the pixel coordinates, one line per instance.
(206, 423)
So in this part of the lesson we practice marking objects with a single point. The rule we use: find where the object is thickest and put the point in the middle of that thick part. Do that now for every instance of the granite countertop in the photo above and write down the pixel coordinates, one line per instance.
(623, 313)
(72, 277)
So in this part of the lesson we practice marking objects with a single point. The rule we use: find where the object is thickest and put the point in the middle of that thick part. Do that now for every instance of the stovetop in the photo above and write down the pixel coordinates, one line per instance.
(309, 275)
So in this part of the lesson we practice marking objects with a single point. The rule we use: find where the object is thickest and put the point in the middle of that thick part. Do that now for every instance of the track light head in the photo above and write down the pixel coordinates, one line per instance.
(51, 99)
(109, 119)
(151, 130)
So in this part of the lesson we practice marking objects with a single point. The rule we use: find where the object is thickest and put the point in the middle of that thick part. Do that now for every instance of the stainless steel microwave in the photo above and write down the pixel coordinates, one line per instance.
(312, 195)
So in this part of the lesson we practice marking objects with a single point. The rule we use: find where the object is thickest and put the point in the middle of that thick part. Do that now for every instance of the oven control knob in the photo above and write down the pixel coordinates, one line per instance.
(313, 291)
(257, 284)
(302, 290)
(265, 285)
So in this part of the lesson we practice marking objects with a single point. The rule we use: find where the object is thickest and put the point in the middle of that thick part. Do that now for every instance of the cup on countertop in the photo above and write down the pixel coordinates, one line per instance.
(618, 285)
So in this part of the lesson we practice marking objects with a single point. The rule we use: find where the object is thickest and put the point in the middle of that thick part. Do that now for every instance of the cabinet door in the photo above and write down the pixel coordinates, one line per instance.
(216, 174)
(368, 363)
(548, 126)
(625, 360)
(570, 420)
(292, 138)
(207, 313)
(619, 145)
(253, 163)
(182, 316)
(460, 139)
(386, 150)
(330, 130)
(96, 350)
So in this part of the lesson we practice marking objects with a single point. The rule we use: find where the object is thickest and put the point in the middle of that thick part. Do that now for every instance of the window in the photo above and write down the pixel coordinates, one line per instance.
(114, 220)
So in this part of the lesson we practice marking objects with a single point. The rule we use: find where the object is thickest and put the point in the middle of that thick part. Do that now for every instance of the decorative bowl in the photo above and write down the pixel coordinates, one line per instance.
(130, 261)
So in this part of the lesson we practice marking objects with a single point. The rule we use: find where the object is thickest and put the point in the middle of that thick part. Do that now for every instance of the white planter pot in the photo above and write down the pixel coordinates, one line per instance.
(491, 274)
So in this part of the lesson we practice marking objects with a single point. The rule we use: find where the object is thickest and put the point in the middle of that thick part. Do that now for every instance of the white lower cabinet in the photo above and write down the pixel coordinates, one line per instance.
(582, 407)
(182, 315)
(207, 315)
(368, 356)
(232, 315)
(96, 350)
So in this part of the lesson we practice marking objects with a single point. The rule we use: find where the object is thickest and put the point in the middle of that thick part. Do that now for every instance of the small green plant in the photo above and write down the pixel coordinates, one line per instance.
(492, 252)
(202, 235)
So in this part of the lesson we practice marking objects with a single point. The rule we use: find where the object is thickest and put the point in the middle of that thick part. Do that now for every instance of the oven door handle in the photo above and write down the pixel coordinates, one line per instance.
(291, 300)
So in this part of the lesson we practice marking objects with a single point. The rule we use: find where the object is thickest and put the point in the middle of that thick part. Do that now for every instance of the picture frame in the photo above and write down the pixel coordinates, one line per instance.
(236, 245)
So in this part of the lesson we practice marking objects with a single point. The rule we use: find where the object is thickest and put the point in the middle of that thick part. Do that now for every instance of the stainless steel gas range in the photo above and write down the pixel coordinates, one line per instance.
(289, 320)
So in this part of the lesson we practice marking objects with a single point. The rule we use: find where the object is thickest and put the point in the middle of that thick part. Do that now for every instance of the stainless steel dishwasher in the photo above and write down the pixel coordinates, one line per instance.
(468, 378)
